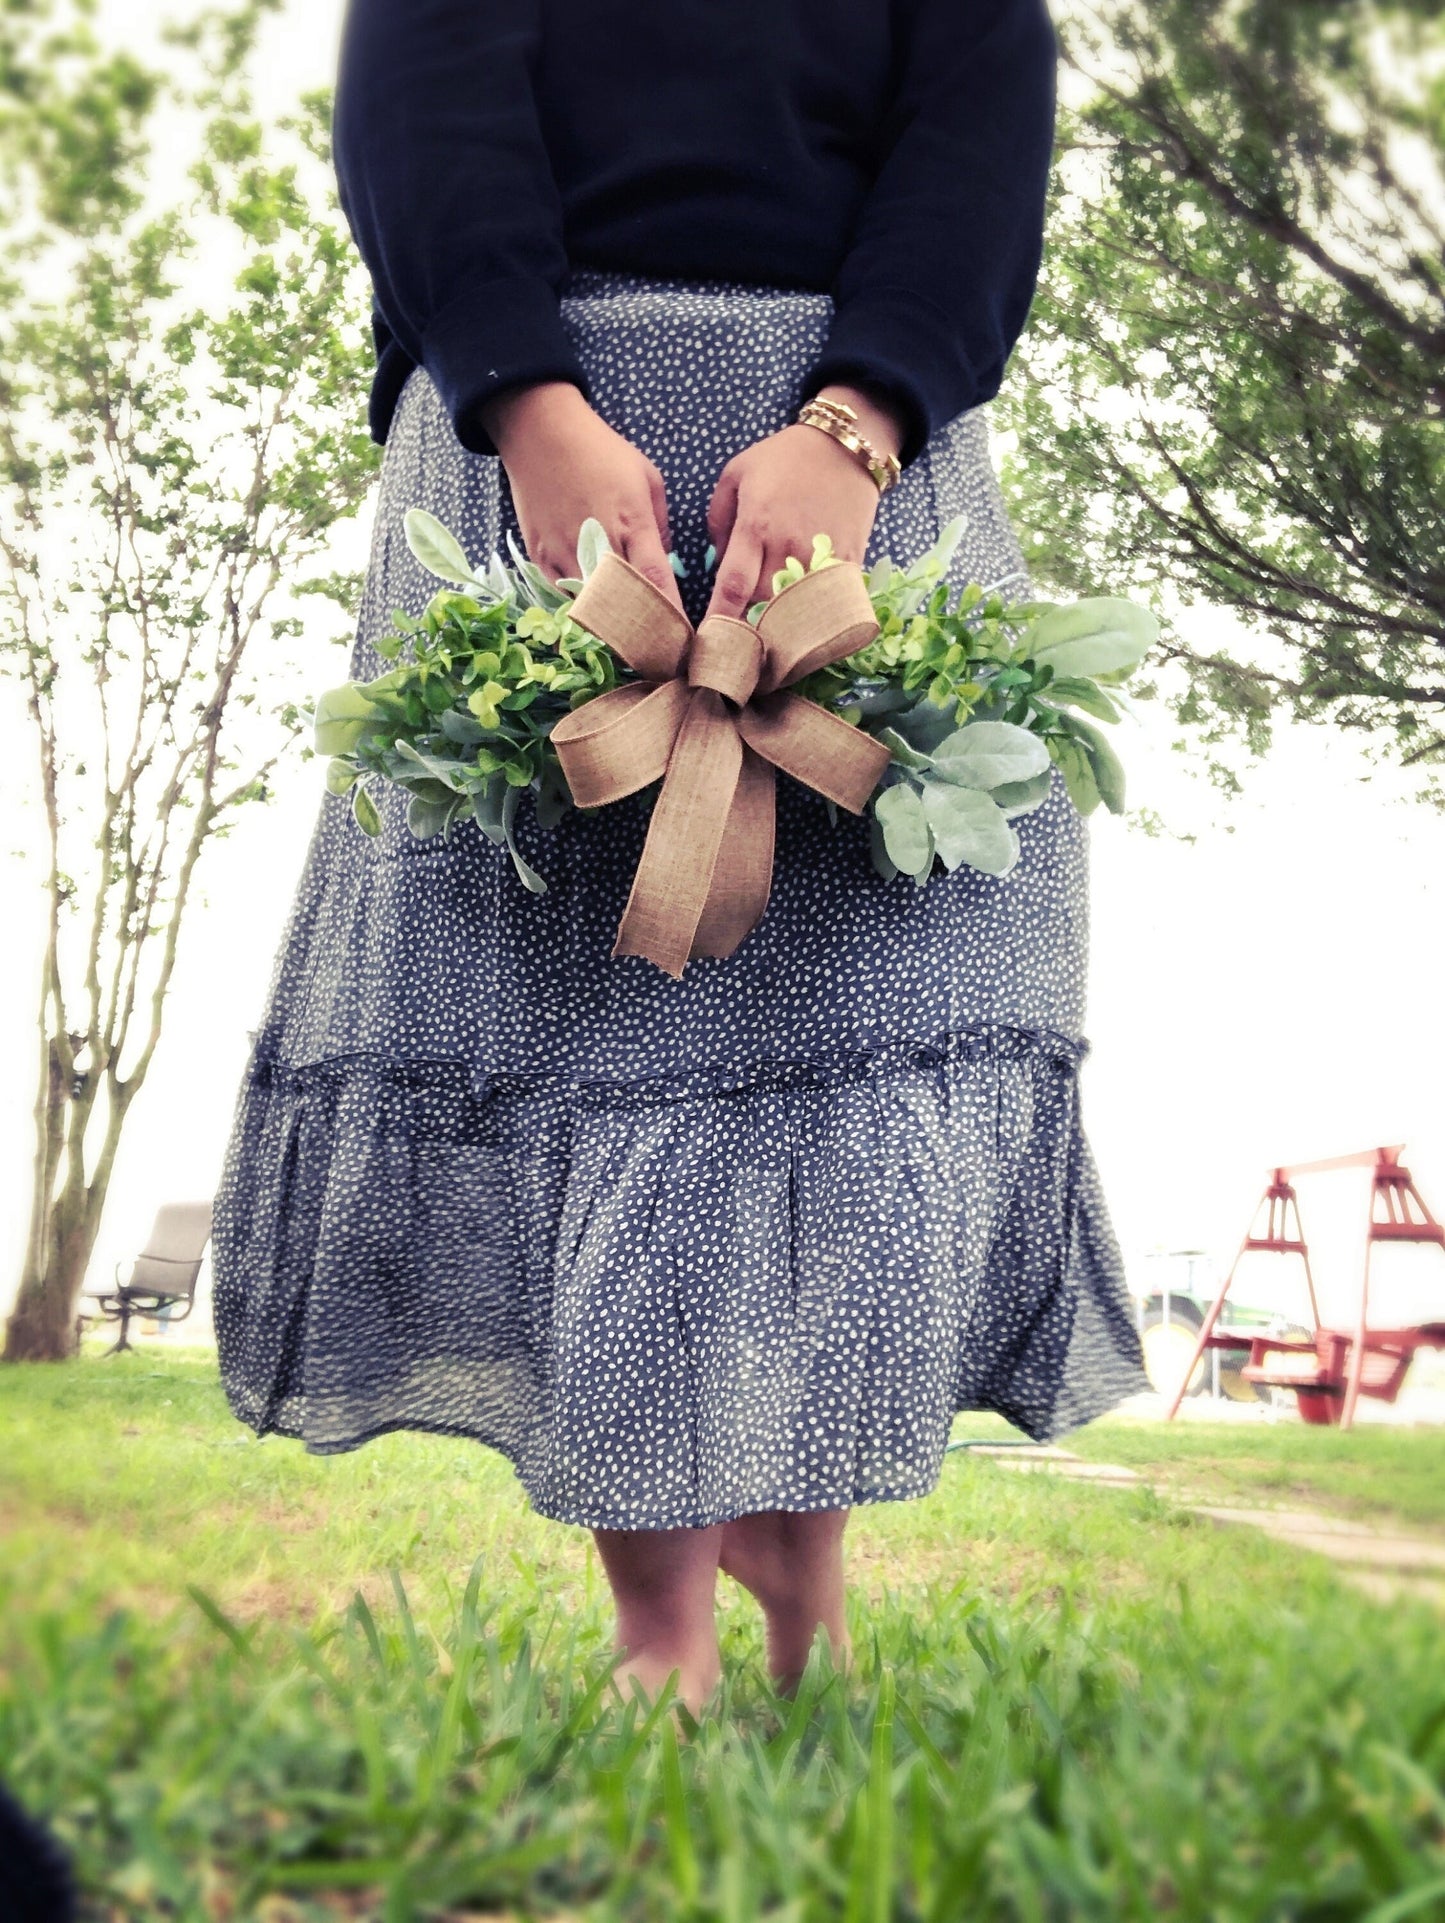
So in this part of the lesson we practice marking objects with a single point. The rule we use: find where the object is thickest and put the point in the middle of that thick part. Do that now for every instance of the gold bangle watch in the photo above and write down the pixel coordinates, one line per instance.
(841, 421)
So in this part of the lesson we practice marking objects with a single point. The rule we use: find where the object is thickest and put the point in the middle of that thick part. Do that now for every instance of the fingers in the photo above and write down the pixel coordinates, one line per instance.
(738, 572)
(762, 514)
(641, 544)
(658, 489)
(722, 508)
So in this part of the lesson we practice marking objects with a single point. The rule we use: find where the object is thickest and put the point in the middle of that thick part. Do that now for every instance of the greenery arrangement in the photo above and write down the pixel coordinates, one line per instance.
(975, 699)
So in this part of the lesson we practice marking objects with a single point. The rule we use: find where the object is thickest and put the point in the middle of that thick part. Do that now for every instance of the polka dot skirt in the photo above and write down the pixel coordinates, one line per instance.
(681, 1250)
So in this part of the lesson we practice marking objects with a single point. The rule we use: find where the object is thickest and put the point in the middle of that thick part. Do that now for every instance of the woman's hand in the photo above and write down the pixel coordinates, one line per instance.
(773, 497)
(565, 463)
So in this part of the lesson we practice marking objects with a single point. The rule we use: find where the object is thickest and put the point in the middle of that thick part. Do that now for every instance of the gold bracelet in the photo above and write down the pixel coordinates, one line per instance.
(841, 421)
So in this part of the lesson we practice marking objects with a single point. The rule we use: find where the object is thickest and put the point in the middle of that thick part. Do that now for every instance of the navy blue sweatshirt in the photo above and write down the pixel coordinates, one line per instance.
(893, 153)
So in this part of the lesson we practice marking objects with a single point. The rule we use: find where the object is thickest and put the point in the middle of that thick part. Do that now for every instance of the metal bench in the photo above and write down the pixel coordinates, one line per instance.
(163, 1276)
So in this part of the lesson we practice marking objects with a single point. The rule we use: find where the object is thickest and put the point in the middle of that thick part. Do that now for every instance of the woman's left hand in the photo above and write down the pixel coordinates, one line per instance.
(773, 497)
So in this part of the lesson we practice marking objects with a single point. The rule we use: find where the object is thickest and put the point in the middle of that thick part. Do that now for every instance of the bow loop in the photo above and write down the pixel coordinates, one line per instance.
(711, 717)
(817, 619)
(727, 656)
(636, 620)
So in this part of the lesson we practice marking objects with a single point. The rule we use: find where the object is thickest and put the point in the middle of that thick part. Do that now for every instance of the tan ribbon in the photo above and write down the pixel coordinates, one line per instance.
(711, 717)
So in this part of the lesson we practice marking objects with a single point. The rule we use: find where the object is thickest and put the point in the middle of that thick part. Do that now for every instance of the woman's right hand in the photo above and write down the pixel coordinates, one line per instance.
(565, 463)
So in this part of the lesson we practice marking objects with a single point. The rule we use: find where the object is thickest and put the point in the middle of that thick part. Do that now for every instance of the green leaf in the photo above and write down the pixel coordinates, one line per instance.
(529, 875)
(1107, 769)
(1077, 692)
(342, 717)
(969, 827)
(902, 752)
(906, 834)
(989, 754)
(1101, 634)
(438, 550)
(340, 775)
(449, 773)
(489, 806)
(554, 797)
(878, 849)
(425, 817)
(592, 544)
(1022, 797)
(1075, 767)
(464, 729)
(924, 725)
(363, 810)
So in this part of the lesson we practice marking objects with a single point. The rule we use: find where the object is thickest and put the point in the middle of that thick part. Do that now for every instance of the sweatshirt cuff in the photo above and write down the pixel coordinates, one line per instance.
(907, 347)
(500, 333)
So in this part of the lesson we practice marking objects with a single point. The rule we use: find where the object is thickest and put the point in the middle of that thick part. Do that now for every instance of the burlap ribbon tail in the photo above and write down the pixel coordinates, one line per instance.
(712, 718)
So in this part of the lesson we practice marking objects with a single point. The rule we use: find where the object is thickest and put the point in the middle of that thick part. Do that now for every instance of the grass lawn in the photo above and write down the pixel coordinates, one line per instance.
(245, 1683)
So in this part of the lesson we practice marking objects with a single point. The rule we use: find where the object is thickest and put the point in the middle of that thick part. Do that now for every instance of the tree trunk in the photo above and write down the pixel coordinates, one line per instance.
(64, 1222)
(42, 1323)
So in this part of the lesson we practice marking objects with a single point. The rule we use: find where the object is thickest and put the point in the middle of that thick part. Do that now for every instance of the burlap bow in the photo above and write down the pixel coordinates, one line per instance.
(711, 717)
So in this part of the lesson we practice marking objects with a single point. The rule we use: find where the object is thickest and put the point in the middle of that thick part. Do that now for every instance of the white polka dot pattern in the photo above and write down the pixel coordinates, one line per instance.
(682, 1250)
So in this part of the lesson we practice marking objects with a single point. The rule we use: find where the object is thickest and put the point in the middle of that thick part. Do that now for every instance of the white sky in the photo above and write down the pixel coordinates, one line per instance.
(1268, 992)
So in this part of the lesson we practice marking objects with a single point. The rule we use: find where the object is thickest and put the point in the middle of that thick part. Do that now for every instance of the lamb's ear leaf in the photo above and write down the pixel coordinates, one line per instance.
(1022, 797)
(363, 809)
(878, 848)
(510, 803)
(437, 548)
(924, 724)
(986, 754)
(969, 827)
(529, 874)
(946, 545)
(592, 544)
(906, 835)
(426, 816)
(1101, 634)
(903, 751)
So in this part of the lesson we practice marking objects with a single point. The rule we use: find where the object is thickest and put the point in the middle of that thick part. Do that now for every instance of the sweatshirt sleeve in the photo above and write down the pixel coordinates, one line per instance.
(935, 288)
(446, 184)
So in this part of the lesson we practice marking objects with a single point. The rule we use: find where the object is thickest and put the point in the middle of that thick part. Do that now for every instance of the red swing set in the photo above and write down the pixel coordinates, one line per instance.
(1330, 1372)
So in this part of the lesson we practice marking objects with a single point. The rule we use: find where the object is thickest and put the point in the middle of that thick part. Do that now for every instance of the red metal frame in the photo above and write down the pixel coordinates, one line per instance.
(1347, 1363)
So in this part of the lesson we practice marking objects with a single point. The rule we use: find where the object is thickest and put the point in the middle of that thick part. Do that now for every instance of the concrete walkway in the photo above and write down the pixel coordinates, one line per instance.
(1382, 1562)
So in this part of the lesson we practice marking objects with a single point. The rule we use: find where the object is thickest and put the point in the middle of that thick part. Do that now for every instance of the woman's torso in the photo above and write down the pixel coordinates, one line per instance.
(727, 138)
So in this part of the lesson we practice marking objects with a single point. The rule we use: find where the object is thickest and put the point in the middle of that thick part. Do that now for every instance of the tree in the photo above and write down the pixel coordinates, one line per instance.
(1234, 378)
(179, 433)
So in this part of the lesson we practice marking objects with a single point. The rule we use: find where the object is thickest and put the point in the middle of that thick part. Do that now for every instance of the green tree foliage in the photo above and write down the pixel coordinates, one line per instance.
(1234, 378)
(181, 372)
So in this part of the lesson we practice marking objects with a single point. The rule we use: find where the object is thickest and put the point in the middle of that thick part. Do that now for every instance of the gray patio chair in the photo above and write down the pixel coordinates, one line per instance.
(162, 1277)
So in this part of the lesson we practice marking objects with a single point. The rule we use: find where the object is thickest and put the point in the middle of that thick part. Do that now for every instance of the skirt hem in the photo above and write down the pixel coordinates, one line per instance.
(856, 1497)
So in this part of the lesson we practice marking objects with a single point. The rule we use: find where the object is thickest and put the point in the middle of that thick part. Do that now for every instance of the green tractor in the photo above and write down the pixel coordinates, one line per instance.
(1171, 1307)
